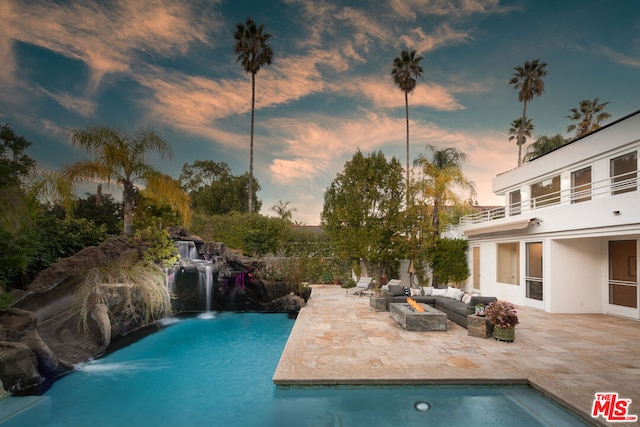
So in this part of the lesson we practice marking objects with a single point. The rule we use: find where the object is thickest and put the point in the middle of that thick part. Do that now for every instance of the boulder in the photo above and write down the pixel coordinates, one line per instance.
(28, 364)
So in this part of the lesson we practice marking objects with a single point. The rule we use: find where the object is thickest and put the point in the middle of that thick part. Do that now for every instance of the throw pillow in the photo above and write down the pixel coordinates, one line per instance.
(407, 291)
(437, 292)
(459, 294)
(416, 292)
(451, 292)
(396, 290)
(466, 298)
(428, 290)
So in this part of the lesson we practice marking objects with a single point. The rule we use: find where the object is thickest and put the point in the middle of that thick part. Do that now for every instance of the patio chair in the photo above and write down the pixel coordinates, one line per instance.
(362, 286)
(392, 282)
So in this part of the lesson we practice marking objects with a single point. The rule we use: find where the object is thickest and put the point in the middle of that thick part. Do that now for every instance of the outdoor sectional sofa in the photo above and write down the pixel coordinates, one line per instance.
(447, 300)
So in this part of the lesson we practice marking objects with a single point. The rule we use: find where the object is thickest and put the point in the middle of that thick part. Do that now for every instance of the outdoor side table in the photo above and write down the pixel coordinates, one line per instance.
(479, 326)
(378, 303)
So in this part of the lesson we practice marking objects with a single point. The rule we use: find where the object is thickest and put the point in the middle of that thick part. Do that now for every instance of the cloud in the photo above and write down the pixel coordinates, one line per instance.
(315, 145)
(192, 102)
(79, 105)
(109, 38)
(8, 61)
(444, 35)
(384, 94)
(411, 9)
(620, 58)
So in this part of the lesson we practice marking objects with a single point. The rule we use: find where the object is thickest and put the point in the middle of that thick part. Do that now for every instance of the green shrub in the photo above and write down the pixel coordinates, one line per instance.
(449, 262)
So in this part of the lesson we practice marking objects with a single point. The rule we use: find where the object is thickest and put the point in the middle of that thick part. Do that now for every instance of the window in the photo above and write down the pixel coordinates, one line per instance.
(581, 185)
(546, 192)
(623, 173)
(534, 270)
(508, 263)
(514, 202)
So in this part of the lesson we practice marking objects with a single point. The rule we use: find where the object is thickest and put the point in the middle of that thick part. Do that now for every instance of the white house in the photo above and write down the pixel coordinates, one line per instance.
(567, 239)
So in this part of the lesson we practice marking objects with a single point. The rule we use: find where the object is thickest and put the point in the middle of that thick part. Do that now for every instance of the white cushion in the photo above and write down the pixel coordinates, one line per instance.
(416, 292)
(385, 287)
(451, 292)
(466, 298)
(439, 292)
(427, 290)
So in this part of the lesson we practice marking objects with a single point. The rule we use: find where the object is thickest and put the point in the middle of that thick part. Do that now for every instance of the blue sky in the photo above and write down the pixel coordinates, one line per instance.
(170, 65)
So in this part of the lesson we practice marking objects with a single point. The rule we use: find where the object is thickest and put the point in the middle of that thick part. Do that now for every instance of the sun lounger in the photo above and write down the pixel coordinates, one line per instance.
(362, 287)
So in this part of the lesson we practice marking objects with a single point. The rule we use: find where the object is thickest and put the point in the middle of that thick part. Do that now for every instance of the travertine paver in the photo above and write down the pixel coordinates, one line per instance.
(338, 339)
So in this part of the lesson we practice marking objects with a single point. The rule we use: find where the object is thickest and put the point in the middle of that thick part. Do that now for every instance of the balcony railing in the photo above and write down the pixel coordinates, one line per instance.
(581, 193)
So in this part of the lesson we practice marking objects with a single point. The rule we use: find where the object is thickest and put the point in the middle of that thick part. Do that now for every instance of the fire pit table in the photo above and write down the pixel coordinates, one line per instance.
(410, 320)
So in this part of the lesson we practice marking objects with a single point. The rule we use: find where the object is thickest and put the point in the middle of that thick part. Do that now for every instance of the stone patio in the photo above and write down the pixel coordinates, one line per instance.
(338, 339)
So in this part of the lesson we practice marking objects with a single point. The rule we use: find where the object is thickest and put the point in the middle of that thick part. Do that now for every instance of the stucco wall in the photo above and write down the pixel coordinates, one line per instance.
(575, 276)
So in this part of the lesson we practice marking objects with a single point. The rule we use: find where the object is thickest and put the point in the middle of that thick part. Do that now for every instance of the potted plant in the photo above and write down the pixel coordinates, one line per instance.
(504, 317)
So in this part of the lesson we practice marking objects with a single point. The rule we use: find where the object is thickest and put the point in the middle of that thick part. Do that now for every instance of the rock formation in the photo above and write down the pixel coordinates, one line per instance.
(42, 336)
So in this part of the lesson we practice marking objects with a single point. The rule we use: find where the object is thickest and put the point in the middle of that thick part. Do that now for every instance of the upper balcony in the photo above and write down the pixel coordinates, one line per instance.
(593, 196)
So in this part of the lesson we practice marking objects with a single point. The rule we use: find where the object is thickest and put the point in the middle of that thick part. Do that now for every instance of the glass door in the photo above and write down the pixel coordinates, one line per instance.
(475, 265)
(534, 273)
(623, 278)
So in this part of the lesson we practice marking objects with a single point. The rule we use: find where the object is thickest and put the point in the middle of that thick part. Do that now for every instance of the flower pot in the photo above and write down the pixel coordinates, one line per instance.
(504, 334)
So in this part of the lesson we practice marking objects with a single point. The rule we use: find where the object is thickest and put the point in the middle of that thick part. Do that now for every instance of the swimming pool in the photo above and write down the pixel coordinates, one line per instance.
(217, 372)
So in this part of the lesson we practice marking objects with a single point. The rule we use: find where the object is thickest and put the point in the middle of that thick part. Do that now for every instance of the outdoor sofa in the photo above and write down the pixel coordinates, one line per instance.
(452, 301)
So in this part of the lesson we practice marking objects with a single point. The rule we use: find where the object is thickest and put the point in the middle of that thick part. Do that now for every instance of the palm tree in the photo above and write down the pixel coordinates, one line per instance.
(589, 116)
(543, 145)
(253, 52)
(406, 69)
(514, 130)
(283, 210)
(122, 159)
(442, 177)
(528, 80)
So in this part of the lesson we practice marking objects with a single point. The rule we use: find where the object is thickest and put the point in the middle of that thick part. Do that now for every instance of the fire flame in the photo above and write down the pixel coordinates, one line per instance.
(415, 305)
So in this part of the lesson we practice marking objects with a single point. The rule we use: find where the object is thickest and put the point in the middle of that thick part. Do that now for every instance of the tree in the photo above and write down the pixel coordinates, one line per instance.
(528, 81)
(441, 175)
(406, 69)
(589, 116)
(102, 209)
(283, 210)
(450, 260)
(361, 212)
(122, 158)
(514, 130)
(440, 181)
(214, 190)
(544, 145)
(253, 52)
(14, 164)
(18, 210)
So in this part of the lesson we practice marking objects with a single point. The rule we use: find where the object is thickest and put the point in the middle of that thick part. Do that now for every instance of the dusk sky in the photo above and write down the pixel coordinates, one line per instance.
(169, 65)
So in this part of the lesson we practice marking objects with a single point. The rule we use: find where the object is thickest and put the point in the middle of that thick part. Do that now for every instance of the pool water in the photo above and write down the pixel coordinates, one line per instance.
(217, 372)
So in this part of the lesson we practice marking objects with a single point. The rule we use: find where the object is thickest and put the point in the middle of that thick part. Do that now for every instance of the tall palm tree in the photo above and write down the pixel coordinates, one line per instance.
(589, 116)
(406, 69)
(253, 52)
(543, 145)
(514, 130)
(283, 210)
(528, 80)
(122, 158)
